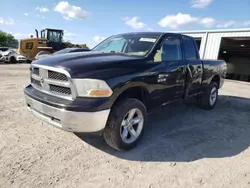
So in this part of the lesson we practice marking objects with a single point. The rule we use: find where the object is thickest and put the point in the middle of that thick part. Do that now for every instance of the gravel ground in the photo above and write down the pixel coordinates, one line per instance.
(184, 146)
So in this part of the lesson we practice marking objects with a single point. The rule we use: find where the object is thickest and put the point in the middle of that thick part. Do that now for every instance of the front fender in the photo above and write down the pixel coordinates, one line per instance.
(128, 85)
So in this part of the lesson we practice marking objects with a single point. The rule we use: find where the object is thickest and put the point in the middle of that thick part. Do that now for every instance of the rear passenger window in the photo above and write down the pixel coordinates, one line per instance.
(170, 50)
(189, 48)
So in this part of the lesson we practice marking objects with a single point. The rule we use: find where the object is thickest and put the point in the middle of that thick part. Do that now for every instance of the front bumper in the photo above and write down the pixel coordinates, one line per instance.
(73, 121)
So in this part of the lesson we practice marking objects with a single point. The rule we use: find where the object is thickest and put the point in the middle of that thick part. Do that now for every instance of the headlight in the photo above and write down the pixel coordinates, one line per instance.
(92, 88)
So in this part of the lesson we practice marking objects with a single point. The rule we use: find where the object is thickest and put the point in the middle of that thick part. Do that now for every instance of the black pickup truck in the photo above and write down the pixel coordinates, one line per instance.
(112, 88)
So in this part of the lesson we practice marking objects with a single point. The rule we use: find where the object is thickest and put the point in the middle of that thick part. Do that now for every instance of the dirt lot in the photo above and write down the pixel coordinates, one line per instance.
(184, 146)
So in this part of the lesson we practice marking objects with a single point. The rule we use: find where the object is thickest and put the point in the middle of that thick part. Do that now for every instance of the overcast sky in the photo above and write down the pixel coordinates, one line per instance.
(88, 21)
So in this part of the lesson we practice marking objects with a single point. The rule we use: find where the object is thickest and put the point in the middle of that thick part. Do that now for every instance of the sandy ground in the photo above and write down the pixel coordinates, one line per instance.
(184, 146)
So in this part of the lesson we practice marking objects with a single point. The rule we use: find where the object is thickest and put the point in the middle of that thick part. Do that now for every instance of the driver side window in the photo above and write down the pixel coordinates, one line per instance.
(170, 50)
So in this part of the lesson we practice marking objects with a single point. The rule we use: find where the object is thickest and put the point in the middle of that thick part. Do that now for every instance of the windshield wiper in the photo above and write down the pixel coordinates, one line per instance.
(112, 51)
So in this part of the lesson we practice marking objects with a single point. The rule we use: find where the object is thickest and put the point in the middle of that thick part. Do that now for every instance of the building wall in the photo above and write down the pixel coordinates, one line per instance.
(210, 44)
(214, 41)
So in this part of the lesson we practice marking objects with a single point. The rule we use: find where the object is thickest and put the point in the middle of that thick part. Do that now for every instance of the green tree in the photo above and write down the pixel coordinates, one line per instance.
(8, 40)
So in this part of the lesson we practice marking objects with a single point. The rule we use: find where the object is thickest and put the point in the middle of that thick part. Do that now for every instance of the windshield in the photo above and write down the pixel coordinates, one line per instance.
(131, 44)
(4, 49)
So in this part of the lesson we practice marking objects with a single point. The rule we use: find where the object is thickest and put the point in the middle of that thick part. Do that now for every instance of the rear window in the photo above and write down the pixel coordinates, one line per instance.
(189, 48)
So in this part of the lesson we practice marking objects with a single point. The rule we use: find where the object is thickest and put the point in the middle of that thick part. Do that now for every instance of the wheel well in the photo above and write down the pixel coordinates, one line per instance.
(216, 79)
(138, 93)
(12, 58)
(43, 52)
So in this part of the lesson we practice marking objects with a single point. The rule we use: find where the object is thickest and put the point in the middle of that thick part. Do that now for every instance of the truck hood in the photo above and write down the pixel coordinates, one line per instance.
(93, 64)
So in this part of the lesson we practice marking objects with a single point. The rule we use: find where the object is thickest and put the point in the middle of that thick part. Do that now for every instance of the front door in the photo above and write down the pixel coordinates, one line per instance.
(172, 72)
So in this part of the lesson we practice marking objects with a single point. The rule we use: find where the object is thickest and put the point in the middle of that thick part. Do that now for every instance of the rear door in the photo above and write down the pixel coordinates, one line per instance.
(194, 66)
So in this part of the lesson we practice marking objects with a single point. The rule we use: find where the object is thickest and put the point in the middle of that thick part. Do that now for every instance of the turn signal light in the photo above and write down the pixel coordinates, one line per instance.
(100, 93)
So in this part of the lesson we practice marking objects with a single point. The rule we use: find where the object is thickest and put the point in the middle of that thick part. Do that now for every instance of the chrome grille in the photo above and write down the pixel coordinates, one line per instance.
(53, 81)
(36, 82)
(60, 89)
(57, 76)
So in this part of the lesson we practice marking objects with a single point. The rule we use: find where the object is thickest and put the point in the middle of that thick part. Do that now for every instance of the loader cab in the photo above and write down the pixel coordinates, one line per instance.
(54, 37)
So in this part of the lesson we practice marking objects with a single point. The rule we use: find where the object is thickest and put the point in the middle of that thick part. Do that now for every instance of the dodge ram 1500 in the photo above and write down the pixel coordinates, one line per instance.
(112, 88)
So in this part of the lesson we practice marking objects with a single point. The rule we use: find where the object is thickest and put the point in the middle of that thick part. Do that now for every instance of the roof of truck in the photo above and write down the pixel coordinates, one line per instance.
(53, 29)
(153, 33)
(142, 32)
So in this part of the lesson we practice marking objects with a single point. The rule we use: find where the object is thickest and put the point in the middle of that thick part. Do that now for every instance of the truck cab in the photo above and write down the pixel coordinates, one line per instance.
(54, 38)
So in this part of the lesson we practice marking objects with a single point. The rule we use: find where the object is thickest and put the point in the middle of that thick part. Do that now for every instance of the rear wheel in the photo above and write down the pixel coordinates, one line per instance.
(209, 99)
(126, 124)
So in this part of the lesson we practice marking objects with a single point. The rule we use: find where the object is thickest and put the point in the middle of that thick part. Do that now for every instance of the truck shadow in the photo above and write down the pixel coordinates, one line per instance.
(183, 133)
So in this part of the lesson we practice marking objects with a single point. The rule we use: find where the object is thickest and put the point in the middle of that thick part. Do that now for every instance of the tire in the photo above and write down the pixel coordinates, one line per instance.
(119, 115)
(12, 60)
(210, 97)
(28, 61)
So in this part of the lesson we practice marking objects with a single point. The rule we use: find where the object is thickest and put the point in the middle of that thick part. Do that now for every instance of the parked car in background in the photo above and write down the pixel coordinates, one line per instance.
(1, 57)
(10, 55)
(63, 51)
(2, 49)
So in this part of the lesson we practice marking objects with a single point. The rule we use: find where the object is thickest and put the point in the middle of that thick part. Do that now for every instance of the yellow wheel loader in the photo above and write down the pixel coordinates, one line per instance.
(50, 41)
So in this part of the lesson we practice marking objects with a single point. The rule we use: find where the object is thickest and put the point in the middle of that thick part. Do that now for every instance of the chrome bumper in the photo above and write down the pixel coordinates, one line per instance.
(68, 120)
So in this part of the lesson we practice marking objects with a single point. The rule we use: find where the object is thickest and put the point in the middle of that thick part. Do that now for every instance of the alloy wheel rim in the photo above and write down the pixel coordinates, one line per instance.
(213, 96)
(131, 126)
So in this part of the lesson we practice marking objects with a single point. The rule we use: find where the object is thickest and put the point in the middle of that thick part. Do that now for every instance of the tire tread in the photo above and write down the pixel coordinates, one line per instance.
(110, 132)
(204, 100)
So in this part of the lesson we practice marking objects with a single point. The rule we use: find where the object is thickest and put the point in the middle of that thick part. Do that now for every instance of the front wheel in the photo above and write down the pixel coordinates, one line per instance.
(12, 60)
(209, 99)
(126, 124)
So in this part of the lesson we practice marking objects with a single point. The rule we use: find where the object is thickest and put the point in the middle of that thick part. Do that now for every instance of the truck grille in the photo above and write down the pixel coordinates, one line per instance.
(60, 89)
(57, 76)
(36, 82)
(52, 81)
